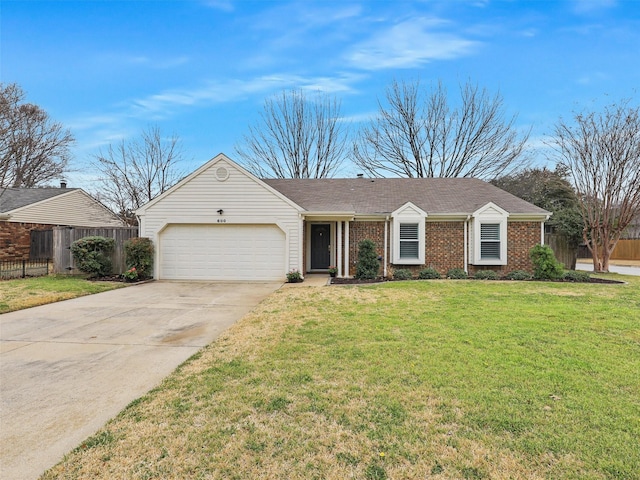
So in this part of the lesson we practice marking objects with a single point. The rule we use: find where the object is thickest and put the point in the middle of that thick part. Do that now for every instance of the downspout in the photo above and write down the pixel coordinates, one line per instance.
(338, 263)
(466, 244)
(384, 254)
(542, 230)
(301, 246)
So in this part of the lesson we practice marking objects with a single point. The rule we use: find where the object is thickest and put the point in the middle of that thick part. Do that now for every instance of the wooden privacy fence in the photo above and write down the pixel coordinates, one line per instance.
(627, 250)
(63, 237)
(41, 244)
(564, 252)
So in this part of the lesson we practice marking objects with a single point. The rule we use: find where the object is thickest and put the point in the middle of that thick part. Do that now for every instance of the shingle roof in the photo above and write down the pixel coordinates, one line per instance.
(13, 198)
(385, 195)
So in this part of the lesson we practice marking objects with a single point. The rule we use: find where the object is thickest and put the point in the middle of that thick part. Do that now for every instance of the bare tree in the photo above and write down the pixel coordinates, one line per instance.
(33, 148)
(134, 172)
(418, 134)
(297, 137)
(602, 152)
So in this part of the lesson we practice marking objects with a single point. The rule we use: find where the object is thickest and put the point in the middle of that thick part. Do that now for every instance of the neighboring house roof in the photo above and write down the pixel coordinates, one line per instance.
(14, 198)
(55, 206)
(436, 196)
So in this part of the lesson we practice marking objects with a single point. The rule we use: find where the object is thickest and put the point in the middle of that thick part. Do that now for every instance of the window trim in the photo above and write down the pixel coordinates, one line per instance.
(490, 214)
(412, 215)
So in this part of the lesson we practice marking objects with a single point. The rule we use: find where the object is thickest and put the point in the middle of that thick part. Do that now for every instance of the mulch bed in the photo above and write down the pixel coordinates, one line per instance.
(116, 278)
(356, 281)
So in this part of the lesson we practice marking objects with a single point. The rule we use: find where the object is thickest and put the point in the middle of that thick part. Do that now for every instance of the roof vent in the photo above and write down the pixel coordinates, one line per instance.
(63, 184)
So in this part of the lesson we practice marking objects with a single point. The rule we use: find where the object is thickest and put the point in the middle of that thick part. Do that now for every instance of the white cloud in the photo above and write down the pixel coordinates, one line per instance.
(95, 131)
(409, 44)
(224, 5)
(228, 90)
(127, 60)
(589, 79)
(592, 6)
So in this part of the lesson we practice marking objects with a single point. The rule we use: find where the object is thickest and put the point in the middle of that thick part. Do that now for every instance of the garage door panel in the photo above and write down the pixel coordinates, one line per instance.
(222, 252)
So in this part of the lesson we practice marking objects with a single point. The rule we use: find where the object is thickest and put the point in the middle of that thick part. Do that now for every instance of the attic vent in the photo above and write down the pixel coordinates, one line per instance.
(222, 174)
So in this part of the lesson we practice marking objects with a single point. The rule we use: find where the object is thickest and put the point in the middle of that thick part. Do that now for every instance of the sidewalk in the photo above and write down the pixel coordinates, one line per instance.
(623, 267)
(311, 280)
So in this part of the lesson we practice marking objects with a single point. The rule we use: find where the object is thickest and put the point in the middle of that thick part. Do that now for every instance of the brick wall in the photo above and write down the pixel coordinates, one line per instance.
(444, 245)
(521, 237)
(359, 231)
(15, 239)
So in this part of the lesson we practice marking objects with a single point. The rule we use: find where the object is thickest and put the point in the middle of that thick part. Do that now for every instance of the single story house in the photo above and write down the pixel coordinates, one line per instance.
(223, 223)
(23, 210)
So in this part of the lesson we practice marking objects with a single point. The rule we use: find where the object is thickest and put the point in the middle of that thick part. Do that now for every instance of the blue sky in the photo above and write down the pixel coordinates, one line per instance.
(202, 68)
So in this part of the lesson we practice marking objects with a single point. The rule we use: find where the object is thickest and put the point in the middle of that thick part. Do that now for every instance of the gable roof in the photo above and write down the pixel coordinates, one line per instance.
(436, 196)
(222, 159)
(14, 198)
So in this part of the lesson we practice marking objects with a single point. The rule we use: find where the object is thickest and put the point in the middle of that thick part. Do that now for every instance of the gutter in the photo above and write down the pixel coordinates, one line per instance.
(384, 254)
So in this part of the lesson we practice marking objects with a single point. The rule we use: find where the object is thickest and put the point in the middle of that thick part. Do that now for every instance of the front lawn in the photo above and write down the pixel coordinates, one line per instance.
(403, 380)
(30, 292)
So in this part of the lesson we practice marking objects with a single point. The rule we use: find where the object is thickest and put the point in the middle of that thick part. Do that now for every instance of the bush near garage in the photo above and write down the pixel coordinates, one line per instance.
(138, 254)
(93, 255)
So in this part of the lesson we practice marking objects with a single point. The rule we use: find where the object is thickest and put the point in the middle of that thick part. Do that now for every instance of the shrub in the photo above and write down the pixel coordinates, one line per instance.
(294, 276)
(486, 275)
(518, 275)
(457, 274)
(138, 254)
(428, 273)
(545, 265)
(93, 255)
(131, 275)
(574, 276)
(402, 274)
(368, 264)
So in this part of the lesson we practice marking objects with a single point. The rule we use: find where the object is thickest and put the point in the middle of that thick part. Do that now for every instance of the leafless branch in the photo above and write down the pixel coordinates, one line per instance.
(134, 172)
(418, 134)
(297, 137)
(33, 148)
(602, 153)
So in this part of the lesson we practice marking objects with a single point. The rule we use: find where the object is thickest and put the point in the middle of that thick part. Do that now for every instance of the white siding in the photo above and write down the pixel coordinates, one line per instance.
(75, 208)
(243, 200)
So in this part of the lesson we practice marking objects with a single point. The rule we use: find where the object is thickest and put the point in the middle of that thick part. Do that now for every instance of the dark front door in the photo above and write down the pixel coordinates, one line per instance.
(320, 246)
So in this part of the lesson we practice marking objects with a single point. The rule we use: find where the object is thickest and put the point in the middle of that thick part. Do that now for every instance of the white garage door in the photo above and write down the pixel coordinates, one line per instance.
(222, 252)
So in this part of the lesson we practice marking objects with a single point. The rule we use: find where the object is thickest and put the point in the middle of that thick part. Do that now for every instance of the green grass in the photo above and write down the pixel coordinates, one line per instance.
(437, 379)
(30, 292)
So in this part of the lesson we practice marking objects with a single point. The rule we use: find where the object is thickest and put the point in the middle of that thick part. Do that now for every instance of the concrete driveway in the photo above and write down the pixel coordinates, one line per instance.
(68, 367)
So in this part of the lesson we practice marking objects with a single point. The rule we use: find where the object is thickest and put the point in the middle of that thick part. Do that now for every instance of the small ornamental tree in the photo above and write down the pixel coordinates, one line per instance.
(138, 254)
(545, 265)
(368, 264)
(93, 255)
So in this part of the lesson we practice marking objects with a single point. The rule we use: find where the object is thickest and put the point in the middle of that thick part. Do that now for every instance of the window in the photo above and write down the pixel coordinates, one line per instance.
(488, 236)
(409, 241)
(489, 241)
(408, 247)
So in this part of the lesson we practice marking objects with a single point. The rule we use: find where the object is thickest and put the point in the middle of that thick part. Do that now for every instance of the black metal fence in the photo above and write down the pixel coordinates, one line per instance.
(24, 268)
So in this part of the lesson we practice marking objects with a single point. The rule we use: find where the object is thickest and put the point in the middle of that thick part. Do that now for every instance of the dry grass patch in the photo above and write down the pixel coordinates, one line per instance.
(444, 380)
(24, 293)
